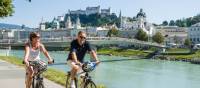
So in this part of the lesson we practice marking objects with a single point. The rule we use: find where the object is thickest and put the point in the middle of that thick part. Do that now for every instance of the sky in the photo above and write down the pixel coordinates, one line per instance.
(31, 14)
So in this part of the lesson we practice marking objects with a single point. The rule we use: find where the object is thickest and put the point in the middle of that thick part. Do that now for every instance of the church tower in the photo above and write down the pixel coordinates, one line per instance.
(78, 24)
(68, 23)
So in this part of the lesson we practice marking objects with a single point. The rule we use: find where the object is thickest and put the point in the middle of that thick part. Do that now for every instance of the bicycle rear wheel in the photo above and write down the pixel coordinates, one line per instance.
(68, 80)
(90, 84)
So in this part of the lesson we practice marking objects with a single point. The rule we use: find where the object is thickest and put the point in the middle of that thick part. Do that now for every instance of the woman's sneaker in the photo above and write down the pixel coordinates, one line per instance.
(72, 85)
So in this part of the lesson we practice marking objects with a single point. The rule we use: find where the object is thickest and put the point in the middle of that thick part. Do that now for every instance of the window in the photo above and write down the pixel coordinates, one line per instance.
(194, 39)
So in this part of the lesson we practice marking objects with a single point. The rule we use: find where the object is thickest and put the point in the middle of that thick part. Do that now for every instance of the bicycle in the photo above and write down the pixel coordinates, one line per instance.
(39, 67)
(86, 78)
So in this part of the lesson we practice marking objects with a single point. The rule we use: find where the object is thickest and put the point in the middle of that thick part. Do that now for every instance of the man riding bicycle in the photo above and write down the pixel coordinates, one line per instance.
(32, 53)
(78, 49)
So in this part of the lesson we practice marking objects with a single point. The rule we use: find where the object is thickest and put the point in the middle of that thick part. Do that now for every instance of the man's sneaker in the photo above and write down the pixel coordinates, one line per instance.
(72, 85)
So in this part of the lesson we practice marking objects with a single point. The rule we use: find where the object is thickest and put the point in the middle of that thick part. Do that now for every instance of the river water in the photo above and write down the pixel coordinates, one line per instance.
(136, 73)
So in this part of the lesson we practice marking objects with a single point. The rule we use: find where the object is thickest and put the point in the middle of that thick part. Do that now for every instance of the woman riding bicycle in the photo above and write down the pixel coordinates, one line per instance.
(32, 53)
(78, 49)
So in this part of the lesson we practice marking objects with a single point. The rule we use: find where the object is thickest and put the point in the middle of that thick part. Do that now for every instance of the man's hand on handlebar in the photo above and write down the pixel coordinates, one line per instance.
(97, 62)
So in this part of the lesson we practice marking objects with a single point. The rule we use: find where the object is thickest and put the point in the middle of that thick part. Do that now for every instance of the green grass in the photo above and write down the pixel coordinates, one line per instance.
(12, 60)
(185, 56)
(122, 52)
(177, 50)
(52, 74)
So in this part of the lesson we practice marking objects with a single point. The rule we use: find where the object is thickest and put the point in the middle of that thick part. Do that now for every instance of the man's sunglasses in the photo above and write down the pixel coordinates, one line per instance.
(82, 37)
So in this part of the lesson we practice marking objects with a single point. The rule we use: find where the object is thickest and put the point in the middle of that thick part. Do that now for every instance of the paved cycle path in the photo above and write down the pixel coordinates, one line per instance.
(12, 76)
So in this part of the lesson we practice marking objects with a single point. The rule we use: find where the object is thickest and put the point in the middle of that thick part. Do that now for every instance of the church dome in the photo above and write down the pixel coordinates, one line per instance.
(141, 14)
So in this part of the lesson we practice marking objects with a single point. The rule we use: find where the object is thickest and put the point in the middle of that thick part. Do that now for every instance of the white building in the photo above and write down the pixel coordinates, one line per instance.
(82, 12)
(139, 23)
(91, 10)
(97, 31)
(173, 34)
(105, 11)
(68, 23)
(7, 34)
(42, 26)
(55, 24)
(194, 33)
(78, 24)
(60, 18)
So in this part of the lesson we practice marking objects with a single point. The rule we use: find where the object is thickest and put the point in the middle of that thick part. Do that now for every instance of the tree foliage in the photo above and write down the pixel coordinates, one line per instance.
(158, 37)
(172, 23)
(6, 8)
(141, 35)
(185, 22)
(187, 42)
(93, 19)
(165, 23)
(113, 32)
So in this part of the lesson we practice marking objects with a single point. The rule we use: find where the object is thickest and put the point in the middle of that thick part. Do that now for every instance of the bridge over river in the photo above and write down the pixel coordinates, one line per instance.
(63, 42)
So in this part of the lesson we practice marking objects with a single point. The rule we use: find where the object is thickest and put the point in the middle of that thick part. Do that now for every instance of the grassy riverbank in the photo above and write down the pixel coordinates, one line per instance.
(52, 74)
(123, 52)
(176, 54)
(180, 55)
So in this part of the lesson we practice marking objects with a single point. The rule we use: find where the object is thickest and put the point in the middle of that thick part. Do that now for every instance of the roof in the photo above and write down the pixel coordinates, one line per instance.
(196, 25)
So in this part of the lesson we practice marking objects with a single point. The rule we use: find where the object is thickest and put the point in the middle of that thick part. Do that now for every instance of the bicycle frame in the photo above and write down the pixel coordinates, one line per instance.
(37, 81)
(85, 80)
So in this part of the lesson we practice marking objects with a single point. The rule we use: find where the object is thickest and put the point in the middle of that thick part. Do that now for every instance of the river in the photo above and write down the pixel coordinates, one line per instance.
(136, 73)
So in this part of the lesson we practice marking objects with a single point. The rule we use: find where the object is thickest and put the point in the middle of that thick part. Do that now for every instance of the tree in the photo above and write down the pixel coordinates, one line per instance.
(141, 35)
(158, 37)
(172, 23)
(165, 23)
(112, 32)
(176, 40)
(6, 8)
(23, 26)
(187, 42)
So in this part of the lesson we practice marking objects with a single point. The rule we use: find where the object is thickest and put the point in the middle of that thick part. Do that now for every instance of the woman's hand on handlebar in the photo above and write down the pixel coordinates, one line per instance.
(51, 61)
(79, 63)
(26, 62)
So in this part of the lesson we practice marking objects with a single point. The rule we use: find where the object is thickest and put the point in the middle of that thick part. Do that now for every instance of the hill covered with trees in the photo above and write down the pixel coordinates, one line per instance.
(184, 22)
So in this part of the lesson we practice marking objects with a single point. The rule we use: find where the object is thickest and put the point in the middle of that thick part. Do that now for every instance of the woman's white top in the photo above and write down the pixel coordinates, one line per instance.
(33, 54)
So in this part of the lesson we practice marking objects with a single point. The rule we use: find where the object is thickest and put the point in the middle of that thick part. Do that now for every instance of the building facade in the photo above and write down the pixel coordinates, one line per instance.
(194, 33)
(139, 22)
(173, 34)
(91, 10)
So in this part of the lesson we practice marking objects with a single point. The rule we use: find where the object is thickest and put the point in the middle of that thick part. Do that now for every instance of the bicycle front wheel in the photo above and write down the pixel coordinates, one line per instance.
(90, 84)
(40, 85)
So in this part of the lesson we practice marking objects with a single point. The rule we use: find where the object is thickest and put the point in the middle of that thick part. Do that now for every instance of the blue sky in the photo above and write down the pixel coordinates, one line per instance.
(157, 11)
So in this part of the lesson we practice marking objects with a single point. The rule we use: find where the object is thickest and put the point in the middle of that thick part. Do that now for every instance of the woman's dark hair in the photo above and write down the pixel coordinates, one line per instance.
(33, 35)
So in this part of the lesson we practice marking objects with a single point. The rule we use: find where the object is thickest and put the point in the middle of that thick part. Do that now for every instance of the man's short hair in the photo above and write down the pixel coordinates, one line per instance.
(81, 32)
